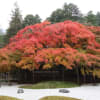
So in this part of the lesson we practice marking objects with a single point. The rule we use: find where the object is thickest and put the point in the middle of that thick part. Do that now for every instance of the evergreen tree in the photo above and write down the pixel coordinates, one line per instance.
(1, 38)
(15, 24)
(98, 18)
(91, 18)
(68, 12)
(30, 20)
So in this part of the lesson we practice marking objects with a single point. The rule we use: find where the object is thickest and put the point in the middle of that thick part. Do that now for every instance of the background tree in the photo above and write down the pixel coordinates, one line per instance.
(30, 20)
(98, 18)
(56, 16)
(1, 38)
(15, 24)
(90, 18)
(71, 12)
(68, 12)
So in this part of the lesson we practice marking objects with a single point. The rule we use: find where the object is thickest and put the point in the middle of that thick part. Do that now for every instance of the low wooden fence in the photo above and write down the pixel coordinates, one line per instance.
(45, 75)
(6, 77)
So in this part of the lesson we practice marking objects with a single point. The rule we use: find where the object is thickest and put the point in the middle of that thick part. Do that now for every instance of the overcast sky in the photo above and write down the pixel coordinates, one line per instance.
(42, 7)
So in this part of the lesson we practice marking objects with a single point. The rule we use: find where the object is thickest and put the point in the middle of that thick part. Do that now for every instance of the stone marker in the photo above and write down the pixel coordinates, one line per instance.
(20, 91)
(64, 91)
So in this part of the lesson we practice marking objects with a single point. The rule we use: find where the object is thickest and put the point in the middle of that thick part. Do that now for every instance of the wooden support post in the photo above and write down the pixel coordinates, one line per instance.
(63, 75)
(77, 72)
(33, 76)
(84, 76)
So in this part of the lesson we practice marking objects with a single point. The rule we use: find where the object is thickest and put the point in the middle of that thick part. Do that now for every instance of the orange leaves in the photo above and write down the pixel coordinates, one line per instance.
(66, 43)
(58, 59)
(57, 56)
(4, 61)
(47, 66)
(26, 63)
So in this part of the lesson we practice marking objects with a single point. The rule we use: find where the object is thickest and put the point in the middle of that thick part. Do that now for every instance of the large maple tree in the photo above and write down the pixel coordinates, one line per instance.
(67, 43)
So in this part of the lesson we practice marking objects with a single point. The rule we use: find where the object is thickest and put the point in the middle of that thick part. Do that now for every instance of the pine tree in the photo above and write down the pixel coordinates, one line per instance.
(15, 24)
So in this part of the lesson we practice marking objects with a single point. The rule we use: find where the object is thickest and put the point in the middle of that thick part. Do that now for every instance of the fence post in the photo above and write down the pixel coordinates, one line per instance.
(78, 78)
(63, 75)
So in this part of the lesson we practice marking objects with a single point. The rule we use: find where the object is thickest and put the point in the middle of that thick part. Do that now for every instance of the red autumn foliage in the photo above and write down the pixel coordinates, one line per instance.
(94, 29)
(66, 43)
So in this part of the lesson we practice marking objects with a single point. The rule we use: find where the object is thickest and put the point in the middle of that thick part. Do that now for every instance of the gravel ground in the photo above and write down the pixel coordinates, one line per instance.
(85, 92)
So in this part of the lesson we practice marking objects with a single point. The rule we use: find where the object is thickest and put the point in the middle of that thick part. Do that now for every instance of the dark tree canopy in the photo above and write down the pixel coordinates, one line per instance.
(30, 20)
(90, 18)
(98, 18)
(68, 12)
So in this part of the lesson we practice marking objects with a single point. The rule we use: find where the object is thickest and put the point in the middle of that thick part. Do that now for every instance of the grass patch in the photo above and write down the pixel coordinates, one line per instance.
(50, 85)
(8, 98)
(57, 98)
